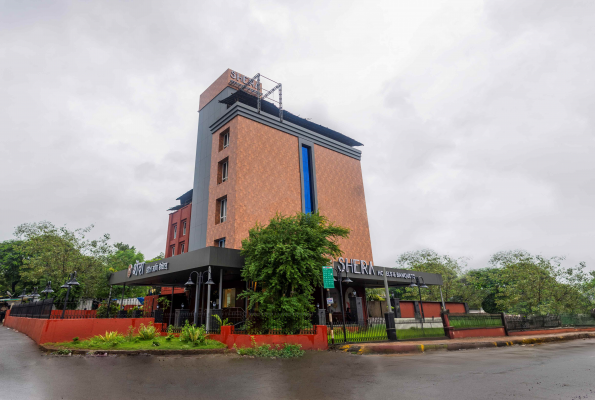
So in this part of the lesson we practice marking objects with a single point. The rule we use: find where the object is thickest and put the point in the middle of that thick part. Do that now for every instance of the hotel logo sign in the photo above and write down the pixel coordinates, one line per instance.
(238, 80)
(139, 268)
(367, 268)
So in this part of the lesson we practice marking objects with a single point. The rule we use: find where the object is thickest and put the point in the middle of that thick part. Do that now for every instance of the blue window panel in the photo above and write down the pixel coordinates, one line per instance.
(307, 176)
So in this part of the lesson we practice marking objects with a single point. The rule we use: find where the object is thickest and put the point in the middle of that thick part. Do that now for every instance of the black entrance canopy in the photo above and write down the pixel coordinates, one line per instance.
(175, 270)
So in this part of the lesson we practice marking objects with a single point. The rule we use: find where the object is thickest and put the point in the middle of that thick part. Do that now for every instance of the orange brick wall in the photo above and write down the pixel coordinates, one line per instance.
(341, 199)
(264, 178)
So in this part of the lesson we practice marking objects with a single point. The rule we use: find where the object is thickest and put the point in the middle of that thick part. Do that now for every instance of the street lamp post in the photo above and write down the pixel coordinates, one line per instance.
(341, 281)
(23, 295)
(418, 282)
(199, 279)
(70, 283)
(47, 290)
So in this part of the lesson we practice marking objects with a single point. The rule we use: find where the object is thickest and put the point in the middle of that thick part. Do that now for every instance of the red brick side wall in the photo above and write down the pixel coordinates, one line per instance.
(177, 217)
(63, 330)
(317, 341)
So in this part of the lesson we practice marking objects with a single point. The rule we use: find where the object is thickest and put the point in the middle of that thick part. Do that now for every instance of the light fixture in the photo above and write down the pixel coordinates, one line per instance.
(209, 281)
(346, 280)
(189, 283)
(48, 288)
(73, 281)
(24, 294)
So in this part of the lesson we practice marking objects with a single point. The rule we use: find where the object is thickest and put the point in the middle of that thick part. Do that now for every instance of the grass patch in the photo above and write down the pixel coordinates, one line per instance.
(159, 342)
(478, 322)
(418, 333)
(268, 351)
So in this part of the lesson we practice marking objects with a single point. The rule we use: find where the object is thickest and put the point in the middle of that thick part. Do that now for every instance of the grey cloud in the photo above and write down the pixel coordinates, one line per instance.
(476, 118)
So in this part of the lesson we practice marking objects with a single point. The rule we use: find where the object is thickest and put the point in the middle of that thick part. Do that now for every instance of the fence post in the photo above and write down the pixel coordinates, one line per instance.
(391, 331)
(416, 311)
(503, 316)
(446, 324)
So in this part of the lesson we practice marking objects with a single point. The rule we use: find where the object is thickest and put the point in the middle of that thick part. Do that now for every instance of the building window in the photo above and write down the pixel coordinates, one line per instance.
(175, 231)
(173, 250)
(184, 229)
(223, 171)
(223, 210)
(220, 242)
(182, 247)
(224, 139)
(307, 179)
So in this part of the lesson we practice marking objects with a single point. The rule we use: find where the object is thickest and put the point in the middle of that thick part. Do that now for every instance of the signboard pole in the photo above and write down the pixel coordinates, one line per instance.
(388, 307)
(330, 318)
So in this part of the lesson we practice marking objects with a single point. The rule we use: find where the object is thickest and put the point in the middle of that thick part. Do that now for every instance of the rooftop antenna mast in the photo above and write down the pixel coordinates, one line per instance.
(261, 97)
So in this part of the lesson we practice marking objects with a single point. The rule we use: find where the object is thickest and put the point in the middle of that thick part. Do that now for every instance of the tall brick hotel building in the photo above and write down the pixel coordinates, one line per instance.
(253, 161)
(250, 165)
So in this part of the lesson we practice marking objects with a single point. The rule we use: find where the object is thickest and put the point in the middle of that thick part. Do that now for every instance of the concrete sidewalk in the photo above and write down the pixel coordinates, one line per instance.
(421, 346)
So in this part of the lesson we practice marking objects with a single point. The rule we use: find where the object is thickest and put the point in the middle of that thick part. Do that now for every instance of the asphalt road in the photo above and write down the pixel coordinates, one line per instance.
(551, 371)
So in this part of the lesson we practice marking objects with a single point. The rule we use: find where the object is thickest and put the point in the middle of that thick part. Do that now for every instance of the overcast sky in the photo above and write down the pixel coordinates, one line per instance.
(477, 117)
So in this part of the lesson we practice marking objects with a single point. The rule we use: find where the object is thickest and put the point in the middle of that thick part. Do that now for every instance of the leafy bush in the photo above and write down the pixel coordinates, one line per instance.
(224, 322)
(148, 332)
(113, 338)
(155, 343)
(75, 339)
(193, 334)
(266, 350)
(170, 333)
(130, 334)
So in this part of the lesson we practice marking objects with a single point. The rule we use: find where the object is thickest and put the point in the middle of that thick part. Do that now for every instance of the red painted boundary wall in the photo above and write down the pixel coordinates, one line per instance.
(63, 330)
(460, 333)
(430, 308)
(550, 331)
(317, 341)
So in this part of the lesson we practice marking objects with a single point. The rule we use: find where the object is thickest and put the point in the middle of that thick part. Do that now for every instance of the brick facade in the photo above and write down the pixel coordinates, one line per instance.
(264, 179)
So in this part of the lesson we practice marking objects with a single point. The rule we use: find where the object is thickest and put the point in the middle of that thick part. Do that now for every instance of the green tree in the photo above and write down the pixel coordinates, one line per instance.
(52, 253)
(486, 284)
(283, 261)
(11, 260)
(124, 256)
(538, 285)
(454, 288)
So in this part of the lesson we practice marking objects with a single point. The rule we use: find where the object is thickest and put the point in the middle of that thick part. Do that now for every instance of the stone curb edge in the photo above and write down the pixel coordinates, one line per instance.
(155, 352)
(421, 348)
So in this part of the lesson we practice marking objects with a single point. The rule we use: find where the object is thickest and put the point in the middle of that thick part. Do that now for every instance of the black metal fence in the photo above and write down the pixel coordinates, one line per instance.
(84, 309)
(419, 328)
(36, 309)
(536, 322)
(276, 324)
(369, 330)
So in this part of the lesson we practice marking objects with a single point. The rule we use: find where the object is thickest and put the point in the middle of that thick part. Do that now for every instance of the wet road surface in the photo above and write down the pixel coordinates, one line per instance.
(551, 371)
